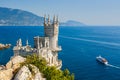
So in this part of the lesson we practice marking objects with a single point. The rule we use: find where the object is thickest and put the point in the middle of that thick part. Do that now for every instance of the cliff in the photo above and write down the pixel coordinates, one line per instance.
(25, 73)
(32, 67)
(14, 71)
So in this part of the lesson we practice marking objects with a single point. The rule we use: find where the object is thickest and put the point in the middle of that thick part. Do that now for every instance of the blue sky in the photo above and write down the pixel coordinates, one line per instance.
(91, 12)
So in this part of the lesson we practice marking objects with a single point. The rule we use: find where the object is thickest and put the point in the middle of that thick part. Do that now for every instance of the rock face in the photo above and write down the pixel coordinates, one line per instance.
(14, 63)
(29, 72)
(23, 74)
(2, 67)
(6, 74)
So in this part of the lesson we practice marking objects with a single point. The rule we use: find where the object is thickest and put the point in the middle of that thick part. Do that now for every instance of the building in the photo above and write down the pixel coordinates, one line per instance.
(46, 46)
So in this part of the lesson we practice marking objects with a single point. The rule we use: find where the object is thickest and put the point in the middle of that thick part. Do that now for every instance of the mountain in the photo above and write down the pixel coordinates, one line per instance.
(17, 17)
(72, 23)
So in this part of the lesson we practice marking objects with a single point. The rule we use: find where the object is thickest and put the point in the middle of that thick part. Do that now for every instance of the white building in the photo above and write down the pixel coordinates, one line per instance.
(46, 46)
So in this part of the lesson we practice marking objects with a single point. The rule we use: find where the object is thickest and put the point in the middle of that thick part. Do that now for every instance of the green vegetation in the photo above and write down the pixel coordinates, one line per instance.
(49, 72)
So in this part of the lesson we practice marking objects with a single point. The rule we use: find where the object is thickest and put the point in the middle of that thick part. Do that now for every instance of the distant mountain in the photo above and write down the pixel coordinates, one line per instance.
(17, 17)
(72, 23)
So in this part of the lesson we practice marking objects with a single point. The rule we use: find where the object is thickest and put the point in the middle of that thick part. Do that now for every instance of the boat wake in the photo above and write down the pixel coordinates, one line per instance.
(113, 66)
(93, 41)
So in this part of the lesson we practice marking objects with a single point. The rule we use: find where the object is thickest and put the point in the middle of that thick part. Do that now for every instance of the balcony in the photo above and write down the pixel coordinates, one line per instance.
(59, 65)
(58, 48)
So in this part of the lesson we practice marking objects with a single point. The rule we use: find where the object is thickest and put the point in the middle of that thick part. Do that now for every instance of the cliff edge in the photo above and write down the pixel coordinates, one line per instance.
(14, 71)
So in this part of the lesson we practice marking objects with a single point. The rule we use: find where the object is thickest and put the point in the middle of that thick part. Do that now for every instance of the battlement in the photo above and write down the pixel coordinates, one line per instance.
(48, 22)
(51, 30)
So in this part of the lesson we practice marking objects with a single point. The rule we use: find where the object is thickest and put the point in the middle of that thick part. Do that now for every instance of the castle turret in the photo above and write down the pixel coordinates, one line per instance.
(27, 43)
(51, 31)
(57, 21)
(38, 45)
(48, 20)
(45, 22)
(44, 18)
(19, 43)
(54, 19)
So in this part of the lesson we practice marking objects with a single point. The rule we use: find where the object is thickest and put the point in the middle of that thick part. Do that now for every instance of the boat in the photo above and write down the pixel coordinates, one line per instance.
(102, 60)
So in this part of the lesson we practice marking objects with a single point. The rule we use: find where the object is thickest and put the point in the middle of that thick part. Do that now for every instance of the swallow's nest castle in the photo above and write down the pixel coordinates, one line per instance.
(46, 46)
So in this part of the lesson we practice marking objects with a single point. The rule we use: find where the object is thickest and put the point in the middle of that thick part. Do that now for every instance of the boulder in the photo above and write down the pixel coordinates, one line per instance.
(29, 72)
(14, 63)
(23, 74)
(6, 74)
(26, 72)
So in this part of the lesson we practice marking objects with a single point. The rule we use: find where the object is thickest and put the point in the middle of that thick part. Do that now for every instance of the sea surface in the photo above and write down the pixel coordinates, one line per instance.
(80, 46)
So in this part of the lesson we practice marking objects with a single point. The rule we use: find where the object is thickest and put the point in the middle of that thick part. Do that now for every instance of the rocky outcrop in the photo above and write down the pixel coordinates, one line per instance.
(29, 72)
(2, 67)
(23, 74)
(6, 74)
(4, 46)
(14, 63)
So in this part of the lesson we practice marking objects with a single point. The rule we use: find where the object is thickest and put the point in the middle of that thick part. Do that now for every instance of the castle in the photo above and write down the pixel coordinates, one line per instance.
(46, 46)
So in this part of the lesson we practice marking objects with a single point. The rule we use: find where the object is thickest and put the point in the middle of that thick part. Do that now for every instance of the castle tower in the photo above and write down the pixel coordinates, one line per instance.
(51, 31)
(38, 45)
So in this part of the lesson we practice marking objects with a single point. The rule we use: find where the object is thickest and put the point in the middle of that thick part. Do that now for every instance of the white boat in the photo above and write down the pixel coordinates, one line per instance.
(102, 60)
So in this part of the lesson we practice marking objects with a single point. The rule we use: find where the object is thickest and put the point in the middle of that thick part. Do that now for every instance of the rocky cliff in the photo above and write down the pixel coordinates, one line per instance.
(13, 70)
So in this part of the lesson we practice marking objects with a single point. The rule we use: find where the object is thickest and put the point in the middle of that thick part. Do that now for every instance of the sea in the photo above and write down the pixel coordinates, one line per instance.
(80, 47)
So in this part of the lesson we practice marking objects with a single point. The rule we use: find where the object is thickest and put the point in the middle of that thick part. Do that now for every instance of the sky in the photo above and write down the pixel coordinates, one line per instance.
(90, 12)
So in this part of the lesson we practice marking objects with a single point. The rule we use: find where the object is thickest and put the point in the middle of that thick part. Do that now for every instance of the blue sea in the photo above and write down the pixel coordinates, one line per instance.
(80, 46)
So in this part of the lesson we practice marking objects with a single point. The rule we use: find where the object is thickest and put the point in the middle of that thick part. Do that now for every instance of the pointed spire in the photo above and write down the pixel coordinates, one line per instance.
(48, 19)
(57, 19)
(20, 42)
(54, 19)
(38, 43)
(17, 43)
(27, 43)
(44, 18)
